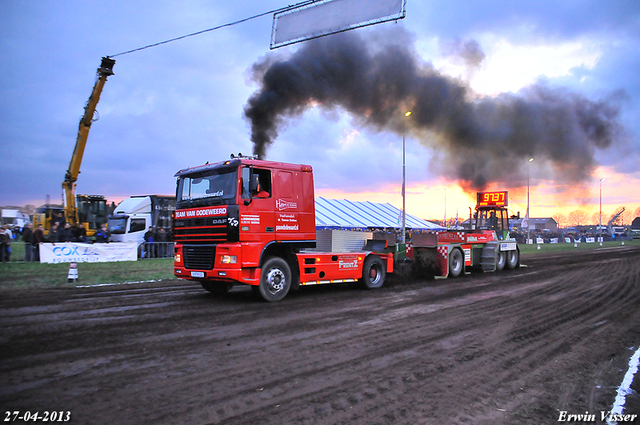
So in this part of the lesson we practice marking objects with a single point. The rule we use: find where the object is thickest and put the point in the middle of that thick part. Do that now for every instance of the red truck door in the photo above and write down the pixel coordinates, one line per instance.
(295, 205)
(257, 207)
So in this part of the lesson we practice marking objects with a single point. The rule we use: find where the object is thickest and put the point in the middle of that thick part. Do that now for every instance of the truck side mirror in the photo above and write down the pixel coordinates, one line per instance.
(254, 184)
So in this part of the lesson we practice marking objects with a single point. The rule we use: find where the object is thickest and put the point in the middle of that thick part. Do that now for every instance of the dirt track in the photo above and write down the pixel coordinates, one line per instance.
(512, 347)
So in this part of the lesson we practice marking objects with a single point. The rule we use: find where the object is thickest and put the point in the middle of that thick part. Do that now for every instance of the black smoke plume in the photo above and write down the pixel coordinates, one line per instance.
(474, 140)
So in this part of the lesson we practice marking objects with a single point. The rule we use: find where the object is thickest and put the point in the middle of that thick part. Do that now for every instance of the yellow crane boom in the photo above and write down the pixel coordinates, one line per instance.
(70, 178)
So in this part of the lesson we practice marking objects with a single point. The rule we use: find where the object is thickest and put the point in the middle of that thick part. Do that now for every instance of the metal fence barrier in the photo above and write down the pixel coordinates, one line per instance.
(156, 250)
(20, 252)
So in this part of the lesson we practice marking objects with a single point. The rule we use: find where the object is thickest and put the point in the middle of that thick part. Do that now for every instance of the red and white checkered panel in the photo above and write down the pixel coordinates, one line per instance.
(442, 259)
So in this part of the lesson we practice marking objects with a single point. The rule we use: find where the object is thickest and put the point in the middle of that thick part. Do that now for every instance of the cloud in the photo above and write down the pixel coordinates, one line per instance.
(476, 140)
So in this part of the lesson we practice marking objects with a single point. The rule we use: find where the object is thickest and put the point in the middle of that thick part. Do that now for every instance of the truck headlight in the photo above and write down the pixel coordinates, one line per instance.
(229, 259)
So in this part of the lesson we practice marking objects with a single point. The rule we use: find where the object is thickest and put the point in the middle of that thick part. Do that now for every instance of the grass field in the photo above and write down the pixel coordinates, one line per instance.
(24, 275)
(13, 275)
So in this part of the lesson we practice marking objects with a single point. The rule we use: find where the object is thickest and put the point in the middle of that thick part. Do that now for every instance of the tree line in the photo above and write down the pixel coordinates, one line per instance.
(581, 217)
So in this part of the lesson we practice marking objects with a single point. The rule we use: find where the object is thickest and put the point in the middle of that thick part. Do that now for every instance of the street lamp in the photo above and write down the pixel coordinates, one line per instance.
(600, 226)
(528, 188)
(404, 181)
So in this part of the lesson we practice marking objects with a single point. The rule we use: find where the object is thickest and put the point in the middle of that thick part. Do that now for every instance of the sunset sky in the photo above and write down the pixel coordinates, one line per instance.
(183, 103)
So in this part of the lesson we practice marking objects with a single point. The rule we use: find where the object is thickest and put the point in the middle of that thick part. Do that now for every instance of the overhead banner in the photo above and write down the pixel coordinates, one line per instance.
(71, 252)
(317, 18)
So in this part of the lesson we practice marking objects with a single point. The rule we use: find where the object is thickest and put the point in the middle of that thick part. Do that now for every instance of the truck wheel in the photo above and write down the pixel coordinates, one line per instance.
(456, 263)
(501, 260)
(275, 280)
(373, 272)
(512, 259)
(216, 288)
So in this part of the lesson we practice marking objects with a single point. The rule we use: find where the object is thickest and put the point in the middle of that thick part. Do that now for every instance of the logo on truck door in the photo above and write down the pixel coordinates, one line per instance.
(281, 204)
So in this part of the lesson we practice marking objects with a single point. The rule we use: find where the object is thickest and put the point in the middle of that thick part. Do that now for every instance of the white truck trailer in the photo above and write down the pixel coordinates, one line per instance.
(13, 217)
(133, 217)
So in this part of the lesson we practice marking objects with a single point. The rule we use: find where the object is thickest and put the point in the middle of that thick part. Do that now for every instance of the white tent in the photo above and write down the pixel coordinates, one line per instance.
(344, 214)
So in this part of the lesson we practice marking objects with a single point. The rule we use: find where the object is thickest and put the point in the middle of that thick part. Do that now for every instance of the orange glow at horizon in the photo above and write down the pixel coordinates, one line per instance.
(426, 200)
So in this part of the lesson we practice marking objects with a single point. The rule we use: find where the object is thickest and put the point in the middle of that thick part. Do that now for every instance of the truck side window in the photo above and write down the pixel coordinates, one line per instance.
(137, 224)
(261, 186)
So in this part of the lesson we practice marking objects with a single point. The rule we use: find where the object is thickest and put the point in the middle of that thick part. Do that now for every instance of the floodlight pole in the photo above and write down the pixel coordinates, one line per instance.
(528, 190)
(600, 224)
(404, 182)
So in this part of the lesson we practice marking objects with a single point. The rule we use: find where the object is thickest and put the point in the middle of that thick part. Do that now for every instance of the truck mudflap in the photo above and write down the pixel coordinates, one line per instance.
(389, 259)
(451, 260)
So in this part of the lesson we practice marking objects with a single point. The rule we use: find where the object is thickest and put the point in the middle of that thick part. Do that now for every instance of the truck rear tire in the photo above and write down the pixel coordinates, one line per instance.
(512, 258)
(501, 260)
(373, 272)
(456, 263)
(275, 279)
(216, 288)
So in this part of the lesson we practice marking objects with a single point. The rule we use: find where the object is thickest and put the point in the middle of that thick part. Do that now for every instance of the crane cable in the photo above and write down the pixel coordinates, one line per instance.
(212, 29)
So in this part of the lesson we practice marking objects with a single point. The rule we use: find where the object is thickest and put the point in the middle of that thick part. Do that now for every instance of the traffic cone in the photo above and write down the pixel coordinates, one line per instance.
(73, 272)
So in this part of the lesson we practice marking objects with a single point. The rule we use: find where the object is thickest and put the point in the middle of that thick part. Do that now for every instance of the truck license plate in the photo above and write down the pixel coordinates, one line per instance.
(197, 274)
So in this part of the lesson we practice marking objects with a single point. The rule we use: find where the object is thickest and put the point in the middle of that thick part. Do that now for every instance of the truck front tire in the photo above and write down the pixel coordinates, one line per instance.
(275, 279)
(373, 272)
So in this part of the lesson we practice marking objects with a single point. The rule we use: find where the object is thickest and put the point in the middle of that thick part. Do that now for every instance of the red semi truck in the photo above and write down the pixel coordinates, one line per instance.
(252, 222)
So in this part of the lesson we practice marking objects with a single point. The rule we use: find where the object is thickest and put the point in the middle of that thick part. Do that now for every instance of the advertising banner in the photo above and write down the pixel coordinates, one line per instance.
(71, 252)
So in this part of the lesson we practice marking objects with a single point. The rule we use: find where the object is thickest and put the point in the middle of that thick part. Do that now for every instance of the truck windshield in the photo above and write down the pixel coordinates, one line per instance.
(213, 187)
(117, 225)
(492, 220)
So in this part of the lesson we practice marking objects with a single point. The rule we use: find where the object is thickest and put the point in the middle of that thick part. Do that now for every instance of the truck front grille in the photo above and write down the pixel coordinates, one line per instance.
(210, 229)
(199, 257)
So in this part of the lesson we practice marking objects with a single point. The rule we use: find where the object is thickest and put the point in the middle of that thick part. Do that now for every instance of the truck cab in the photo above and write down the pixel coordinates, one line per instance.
(493, 218)
(234, 215)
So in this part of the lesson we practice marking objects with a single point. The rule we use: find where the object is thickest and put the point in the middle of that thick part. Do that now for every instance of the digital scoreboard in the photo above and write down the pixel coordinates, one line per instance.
(493, 199)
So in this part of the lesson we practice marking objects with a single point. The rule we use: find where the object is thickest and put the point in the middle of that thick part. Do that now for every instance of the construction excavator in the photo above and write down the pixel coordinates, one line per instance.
(90, 210)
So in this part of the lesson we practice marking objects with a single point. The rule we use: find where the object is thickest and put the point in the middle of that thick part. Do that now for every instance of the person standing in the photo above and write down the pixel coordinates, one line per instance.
(38, 238)
(59, 219)
(5, 244)
(8, 231)
(54, 233)
(102, 235)
(149, 239)
(66, 235)
(27, 238)
(81, 234)
(161, 237)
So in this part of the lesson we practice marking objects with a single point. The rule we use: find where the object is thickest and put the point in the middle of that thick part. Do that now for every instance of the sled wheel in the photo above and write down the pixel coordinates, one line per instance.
(455, 263)
(512, 259)
(501, 260)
